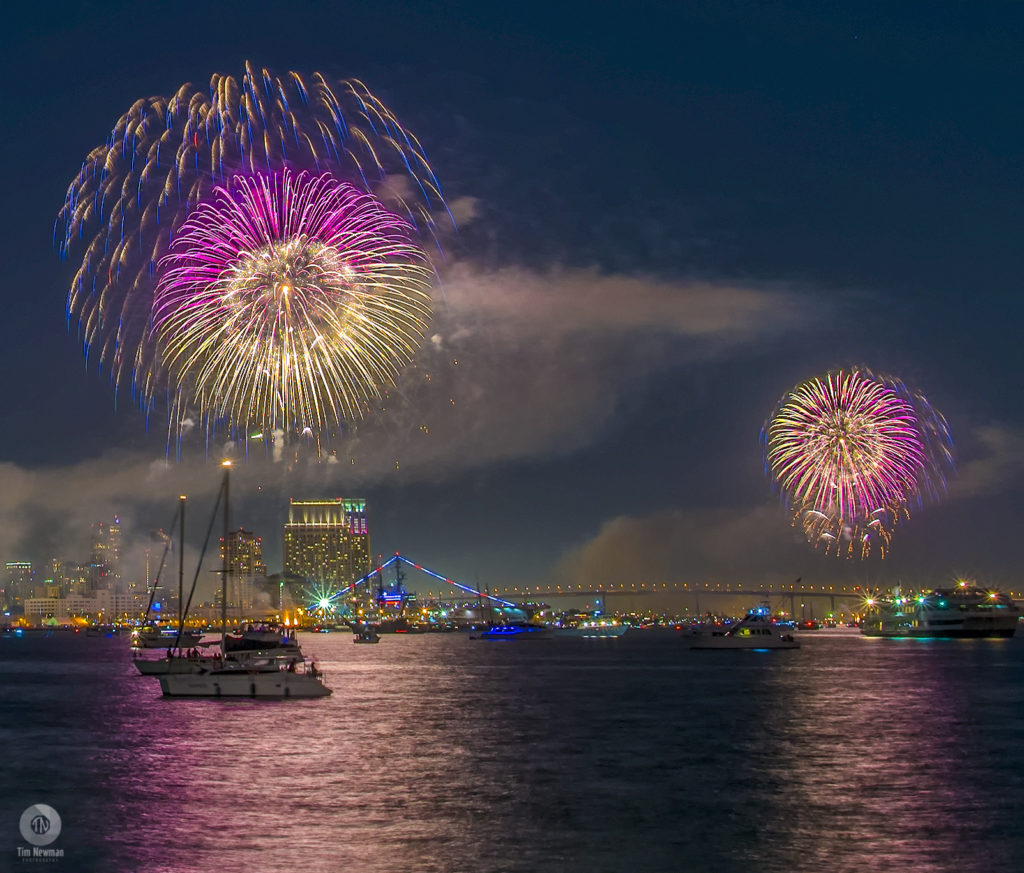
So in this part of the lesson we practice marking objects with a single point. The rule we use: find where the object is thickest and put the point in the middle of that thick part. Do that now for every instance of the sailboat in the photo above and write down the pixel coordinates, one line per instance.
(154, 636)
(253, 676)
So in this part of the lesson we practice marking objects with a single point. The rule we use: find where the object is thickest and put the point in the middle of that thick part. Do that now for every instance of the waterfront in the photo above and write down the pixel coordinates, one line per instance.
(436, 752)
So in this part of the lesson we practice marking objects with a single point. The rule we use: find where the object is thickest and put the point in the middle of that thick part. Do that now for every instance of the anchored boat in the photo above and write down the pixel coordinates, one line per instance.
(756, 630)
(245, 675)
(960, 611)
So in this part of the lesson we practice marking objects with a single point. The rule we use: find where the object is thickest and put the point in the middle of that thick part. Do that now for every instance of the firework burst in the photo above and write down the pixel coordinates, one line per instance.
(850, 451)
(166, 155)
(287, 304)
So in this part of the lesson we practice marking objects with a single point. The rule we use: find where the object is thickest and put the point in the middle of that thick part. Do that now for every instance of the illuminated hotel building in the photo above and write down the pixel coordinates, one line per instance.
(244, 553)
(327, 540)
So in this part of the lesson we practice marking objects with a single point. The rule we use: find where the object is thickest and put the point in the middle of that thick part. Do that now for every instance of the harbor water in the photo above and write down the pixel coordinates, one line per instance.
(441, 753)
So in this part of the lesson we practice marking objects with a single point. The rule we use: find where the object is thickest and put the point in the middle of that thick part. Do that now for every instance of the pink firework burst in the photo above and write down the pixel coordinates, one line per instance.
(286, 304)
(848, 452)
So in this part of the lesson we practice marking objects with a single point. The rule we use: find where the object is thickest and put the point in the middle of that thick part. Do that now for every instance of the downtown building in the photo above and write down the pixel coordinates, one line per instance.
(105, 557)
(242, 554)
(105, 605)
(17, 587)
(327, 542)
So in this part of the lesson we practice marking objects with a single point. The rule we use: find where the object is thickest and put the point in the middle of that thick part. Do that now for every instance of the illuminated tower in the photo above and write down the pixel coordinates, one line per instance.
(17, 587)
(327, 541)
(114, 552)
(244, 561)
(105, 559)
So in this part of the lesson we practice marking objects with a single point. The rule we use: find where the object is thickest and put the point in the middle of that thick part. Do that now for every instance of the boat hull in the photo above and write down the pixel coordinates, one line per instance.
(269, 660)
(276, 684)
(964, 633)
(963, 612)
(173, 665)
(516, 632)
(593, 633)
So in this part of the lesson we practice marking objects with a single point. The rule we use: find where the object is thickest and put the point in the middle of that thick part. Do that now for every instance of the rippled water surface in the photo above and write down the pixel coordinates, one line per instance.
(440, 753)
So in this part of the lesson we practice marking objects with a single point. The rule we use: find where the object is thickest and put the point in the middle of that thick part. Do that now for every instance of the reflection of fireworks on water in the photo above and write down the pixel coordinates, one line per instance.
(290, 304)
(165, 156)
(850, 451)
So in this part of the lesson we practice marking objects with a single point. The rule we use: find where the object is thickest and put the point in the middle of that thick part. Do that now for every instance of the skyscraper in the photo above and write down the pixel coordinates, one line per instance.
(244, 554)
(18, 583)
(105, 559)
(327, 541)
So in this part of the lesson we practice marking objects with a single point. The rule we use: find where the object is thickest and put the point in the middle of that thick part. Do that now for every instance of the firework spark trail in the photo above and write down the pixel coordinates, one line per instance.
(165, 156)
(850, 451)
(287, 304)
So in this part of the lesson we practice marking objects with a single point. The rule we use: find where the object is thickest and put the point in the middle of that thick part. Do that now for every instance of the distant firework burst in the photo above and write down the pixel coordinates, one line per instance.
(288, 303)
(166, 155)
(851, 452)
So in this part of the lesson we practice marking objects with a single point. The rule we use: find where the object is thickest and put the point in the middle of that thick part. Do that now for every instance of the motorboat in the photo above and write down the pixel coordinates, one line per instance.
(961, 611)
(164, 637)
(261, 638)
(365, 634)
(755, 630)
(520, 631)
(593, 627)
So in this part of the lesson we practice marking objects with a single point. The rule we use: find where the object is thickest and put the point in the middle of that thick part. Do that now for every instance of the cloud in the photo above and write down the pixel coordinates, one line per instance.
(997, 466)
(464, 210)
(518, 364)
(563, 303)
(740, 546)
(522, 364)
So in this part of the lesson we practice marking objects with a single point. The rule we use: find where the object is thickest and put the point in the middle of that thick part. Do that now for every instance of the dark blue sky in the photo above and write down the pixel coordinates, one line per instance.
(862, 160)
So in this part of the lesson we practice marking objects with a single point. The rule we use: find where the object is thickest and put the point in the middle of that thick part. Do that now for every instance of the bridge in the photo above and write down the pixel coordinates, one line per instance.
(849, 597)
(511, 596)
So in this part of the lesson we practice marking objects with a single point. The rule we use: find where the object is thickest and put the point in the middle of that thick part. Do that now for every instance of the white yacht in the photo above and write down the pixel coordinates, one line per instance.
(960, 611)
(755, 631)
(592, 627)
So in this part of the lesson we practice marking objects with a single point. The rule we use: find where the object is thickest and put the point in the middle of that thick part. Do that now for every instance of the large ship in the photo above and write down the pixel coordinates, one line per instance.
(960, 611)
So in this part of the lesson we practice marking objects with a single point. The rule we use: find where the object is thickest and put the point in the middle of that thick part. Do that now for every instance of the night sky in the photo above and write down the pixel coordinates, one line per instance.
(667, 218)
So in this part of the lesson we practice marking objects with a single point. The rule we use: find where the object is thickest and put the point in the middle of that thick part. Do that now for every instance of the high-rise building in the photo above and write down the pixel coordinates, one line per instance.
(244, 553)
(18, 586)
(105, 559)
(327, 541)
(71, 577)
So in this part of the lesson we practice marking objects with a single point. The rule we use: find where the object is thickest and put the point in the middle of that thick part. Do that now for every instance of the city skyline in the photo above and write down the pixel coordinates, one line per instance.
(589, 400)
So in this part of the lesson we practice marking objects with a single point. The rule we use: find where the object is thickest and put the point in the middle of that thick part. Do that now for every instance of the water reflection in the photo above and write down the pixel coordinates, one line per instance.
(875, 758)
(438, 753)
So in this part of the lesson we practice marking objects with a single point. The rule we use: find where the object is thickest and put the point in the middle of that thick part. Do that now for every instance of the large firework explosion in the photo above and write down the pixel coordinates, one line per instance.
(851, 452)
(167, 155)
(287, 304)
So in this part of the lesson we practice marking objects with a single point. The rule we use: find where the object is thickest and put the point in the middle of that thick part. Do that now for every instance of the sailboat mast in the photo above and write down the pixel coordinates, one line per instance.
(224, 567)
(181, 564)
